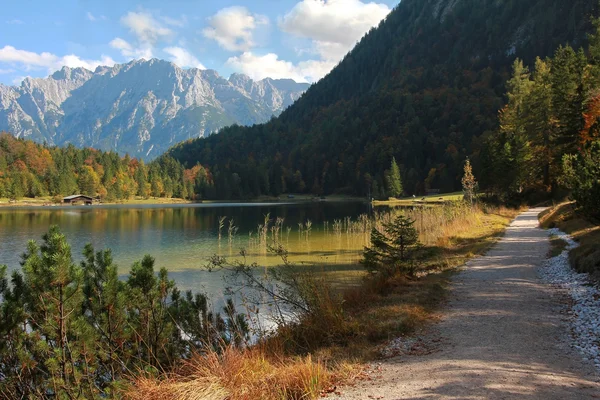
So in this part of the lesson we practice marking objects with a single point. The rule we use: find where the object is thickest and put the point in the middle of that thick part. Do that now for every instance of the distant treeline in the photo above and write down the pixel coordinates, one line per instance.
(28, 169)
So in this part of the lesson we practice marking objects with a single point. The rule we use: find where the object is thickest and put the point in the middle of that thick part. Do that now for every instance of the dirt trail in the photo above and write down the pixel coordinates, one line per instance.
(501, 336)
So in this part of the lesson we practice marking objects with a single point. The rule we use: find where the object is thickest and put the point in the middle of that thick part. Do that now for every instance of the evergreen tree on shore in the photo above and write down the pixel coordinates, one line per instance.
(72, 331)
(394, 180)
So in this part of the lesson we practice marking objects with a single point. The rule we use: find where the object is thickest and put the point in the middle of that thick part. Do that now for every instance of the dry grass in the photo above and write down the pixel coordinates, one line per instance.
(344, 329)
(236, 374)
(566, 217)
(379, 310)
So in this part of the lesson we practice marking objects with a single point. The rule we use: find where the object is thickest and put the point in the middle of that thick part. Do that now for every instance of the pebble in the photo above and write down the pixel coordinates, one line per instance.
(584, 313)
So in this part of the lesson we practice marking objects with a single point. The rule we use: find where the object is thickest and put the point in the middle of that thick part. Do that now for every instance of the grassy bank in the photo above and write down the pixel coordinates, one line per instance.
(345, 328)
(567, 218)
(411, 201)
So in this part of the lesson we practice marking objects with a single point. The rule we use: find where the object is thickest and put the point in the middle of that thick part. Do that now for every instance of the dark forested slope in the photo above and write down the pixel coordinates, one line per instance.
(424, 87)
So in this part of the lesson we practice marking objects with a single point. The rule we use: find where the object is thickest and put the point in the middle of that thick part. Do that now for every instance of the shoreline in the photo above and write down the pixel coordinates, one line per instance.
(49, 202)
(434, 199)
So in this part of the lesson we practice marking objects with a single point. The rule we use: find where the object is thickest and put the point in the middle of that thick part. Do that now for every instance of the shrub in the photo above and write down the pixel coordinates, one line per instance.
(391, 251)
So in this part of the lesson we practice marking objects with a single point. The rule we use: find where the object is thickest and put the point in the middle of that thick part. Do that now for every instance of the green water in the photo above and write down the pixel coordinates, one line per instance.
(182, 237)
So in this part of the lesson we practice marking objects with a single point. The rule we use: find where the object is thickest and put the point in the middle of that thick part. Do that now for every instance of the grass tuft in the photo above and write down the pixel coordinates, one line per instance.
(237, 374)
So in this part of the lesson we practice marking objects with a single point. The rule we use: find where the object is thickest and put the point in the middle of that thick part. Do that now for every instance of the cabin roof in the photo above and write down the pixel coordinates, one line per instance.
(76, 196)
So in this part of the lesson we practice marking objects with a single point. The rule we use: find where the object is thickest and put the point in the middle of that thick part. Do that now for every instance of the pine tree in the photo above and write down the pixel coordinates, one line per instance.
(152, 324)
(105, 308)
(53, 306)
(73, 331)
(541, 124)
(394, 180)
(391, 251)
(567, 71)
(515, 155)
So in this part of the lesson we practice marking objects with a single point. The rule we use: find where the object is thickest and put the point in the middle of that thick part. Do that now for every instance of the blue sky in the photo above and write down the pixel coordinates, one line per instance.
(298, 39)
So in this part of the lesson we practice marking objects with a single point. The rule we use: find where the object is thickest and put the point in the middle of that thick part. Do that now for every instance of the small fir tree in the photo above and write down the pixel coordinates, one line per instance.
(393, 249)
(469, 183)
(394, 180)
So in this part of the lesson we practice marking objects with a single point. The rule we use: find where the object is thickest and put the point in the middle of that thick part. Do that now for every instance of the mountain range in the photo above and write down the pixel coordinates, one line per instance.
(142, 107)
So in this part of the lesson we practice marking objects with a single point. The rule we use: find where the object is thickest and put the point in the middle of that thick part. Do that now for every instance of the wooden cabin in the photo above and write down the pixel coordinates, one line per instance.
(78, 199)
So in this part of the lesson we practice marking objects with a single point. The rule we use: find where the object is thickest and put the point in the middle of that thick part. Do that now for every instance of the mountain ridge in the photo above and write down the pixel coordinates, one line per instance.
(142, 107)
(425, 87)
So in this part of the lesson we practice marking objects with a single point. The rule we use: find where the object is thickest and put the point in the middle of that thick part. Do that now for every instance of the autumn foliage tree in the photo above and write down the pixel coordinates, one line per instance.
(469, 183)
(28, 169)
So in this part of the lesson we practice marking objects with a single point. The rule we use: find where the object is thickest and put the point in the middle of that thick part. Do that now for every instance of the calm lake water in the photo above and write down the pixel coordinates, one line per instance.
(182, 237)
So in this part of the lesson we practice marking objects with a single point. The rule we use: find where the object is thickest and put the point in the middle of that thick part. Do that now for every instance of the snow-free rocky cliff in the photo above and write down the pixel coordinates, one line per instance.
(142, 107)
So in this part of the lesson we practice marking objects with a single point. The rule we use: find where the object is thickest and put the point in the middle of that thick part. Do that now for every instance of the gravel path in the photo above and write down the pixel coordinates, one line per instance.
(501, 337)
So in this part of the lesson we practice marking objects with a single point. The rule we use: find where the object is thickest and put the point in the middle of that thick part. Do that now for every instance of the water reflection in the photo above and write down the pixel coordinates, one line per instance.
(182, 237)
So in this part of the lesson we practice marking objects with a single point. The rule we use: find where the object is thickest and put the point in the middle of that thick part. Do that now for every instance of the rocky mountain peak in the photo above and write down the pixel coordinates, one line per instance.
(142, 107)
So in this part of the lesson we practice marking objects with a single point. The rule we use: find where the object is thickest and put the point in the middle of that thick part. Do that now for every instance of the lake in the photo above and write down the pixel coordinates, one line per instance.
(183, 237)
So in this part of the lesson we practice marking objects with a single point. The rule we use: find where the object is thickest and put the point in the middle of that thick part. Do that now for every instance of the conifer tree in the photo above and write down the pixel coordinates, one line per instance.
(74, 331)
(394, 180)
(391, 251)
(541, 125)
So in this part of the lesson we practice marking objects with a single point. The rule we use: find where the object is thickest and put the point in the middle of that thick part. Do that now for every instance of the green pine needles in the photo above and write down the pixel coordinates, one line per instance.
(392, 251)
(77, 331)
(393, 180)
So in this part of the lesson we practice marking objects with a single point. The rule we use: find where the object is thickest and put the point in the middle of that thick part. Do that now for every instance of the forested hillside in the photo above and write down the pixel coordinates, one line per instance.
(424, 87)
(28, 169)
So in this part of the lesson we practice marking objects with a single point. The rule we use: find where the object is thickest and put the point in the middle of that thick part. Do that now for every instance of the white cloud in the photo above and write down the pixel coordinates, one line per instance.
(9, 54)
(269, 65)
(131, 52)
(145, 27)
(6, 71)
(15, 22)
(334, 25)
(183, 58)
(180, 23)
(74, 61)
(233, 28)
(31, 60)
(93, 18)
